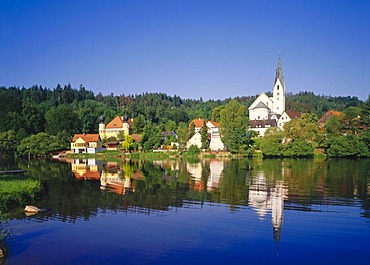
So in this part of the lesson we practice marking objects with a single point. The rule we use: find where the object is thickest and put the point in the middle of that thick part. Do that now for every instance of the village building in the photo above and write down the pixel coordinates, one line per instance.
(287, 116)
(86, 143)
(324, 118)
(215, 142)
(119, 125)
(265, 111)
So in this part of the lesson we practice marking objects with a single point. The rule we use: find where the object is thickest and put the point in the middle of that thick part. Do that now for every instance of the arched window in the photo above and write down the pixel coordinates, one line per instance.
(278, 87)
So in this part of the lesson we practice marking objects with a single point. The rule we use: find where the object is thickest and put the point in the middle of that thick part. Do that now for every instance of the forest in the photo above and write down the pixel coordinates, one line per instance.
(47, 119)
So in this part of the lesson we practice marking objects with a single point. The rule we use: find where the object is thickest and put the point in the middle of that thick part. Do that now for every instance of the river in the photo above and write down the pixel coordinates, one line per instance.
(275, 211)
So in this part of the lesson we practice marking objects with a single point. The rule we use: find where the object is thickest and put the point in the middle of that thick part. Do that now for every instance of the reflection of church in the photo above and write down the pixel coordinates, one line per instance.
(264, 198)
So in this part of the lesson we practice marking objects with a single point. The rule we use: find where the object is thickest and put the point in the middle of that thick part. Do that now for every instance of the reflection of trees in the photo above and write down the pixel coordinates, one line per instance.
(162, 185)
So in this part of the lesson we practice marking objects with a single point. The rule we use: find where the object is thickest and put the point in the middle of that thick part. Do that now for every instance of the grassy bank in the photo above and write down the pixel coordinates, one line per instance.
(16, 191)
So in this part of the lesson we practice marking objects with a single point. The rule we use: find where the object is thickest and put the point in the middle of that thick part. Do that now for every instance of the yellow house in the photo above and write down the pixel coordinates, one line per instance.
(86, 143)
(115, 127)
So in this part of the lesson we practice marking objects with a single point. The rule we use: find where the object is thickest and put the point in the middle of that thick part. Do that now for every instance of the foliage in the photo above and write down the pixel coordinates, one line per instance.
(233, 127)
(348, 146)
(39, 145)
(128, 143)
(193, 150)
(64, 110)
(15, 191)
(272, 142)
(204, 136)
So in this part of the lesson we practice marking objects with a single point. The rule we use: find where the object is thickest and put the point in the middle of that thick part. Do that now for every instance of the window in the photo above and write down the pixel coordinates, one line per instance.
(277, 98)
(278, 87)
(278, 94)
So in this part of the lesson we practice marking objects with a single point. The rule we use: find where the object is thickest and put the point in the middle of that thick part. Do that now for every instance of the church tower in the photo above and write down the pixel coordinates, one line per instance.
(278, 92)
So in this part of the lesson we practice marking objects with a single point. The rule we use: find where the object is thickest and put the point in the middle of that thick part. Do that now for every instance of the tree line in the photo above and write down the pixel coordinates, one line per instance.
(46, 119)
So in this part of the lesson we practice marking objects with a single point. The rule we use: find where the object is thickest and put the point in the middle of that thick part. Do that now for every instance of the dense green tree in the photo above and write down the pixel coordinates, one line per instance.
(39, 145)
(33, 117)
(272, 142)
(62, 118)
(204, 136)
(183, 135)
(128, 143)
(151, 138)
(233, 127)
(139, 124)
(7, 141)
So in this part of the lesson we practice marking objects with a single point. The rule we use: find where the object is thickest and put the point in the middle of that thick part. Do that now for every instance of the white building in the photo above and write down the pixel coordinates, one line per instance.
(215, 143)
(265, 111)
(287, 116)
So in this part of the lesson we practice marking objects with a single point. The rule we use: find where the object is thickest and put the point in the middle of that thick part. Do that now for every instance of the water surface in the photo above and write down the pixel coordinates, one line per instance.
(208, 212)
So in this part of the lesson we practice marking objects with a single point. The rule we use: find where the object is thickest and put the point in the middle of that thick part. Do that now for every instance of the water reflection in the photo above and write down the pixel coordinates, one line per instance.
(236, 201)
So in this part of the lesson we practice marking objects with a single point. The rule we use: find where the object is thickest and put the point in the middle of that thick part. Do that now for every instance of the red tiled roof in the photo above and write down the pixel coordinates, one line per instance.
(198, 123)
(136, 137)
(117, 122)
(293, 114)
(216, 124)
(336, 113)
(86, 137)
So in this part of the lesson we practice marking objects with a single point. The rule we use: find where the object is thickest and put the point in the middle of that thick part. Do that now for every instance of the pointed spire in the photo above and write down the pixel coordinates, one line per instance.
(279, 72)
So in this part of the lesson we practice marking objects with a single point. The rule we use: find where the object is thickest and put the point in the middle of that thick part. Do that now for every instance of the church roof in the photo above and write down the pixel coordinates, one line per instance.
(279, 73)
(261, 105)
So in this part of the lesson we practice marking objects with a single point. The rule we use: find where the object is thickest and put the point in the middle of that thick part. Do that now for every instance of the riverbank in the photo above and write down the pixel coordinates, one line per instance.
(17, 190)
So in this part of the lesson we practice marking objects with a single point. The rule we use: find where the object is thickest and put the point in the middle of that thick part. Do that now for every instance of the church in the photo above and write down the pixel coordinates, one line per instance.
(265, 111)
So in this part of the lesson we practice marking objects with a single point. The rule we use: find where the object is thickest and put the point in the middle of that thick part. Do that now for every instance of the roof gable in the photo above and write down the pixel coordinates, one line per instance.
(261, 98)
(198, 123)
(89, 137)
(293, 114)
(117, 122)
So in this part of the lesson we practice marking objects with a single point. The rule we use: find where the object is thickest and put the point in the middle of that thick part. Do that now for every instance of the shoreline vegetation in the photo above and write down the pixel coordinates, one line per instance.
(16, 190)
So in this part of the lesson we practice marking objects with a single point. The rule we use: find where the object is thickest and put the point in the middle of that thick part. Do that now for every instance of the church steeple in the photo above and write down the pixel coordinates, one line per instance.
(279, 73)
(278, 92)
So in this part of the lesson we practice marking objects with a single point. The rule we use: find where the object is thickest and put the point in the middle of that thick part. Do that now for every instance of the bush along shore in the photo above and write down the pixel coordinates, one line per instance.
(17, 190)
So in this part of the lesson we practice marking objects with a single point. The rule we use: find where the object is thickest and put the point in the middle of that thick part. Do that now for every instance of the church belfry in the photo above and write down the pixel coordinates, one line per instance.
(278, 92)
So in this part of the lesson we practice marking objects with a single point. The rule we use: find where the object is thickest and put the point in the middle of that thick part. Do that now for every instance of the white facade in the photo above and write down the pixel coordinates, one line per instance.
(265, 111)
(196, 140)
(286, 117)
(215, 144)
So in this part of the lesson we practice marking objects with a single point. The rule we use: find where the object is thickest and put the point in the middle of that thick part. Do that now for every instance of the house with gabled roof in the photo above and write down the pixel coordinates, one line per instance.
(324, 118)
(198, 124)
(113, 129)
(287, 116)
(86, 143)
(215, 142)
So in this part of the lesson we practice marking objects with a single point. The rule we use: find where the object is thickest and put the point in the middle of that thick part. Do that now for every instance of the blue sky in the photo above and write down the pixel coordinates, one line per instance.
(213, 49)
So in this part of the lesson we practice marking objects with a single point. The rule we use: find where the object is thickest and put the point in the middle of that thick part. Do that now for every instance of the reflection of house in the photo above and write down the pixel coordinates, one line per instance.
(115, 180)
(265, 111)
(287, 116)
(214, 137)
(115, 127)
(215, 170)
(86, 143)
(85, 169)
(264, 198)
(213, 176)
(324, 118)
